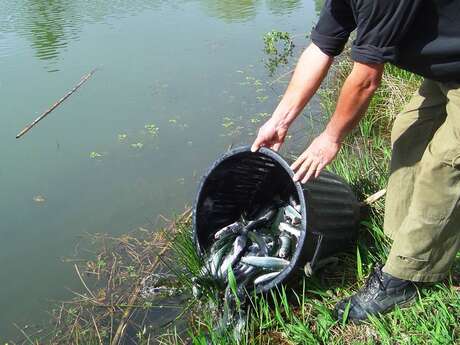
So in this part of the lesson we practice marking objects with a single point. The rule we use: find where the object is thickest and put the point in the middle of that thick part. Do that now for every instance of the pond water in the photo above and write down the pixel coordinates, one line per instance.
(178, 82)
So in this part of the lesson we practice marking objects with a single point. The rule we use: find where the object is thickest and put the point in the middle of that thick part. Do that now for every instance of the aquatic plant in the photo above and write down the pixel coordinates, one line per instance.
(152, 129)
(278, 46)
(95, 155)
(122, 137)
(137, 146)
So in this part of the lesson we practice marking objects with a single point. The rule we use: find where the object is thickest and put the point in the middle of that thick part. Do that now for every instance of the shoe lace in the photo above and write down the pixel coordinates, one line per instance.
(373, 284)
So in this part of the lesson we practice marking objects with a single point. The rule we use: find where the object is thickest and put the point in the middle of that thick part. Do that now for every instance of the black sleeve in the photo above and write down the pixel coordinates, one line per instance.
(335, 24)
(380, 27)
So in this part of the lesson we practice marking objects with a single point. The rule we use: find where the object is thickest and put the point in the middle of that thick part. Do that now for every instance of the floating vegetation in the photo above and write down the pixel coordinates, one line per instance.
(95, 155)
(259, 117)
(279, 47)
(122, 137)
(228, 122)
(262, 99)
(175, 121)
(137, 146)
(152, 129)
(39, 199)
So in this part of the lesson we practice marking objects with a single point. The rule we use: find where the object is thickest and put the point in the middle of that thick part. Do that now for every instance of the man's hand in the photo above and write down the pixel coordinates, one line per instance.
(319, 154)
(271, 135)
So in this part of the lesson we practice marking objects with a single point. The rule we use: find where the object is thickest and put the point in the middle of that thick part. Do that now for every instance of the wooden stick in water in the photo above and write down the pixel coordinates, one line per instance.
(55, 105)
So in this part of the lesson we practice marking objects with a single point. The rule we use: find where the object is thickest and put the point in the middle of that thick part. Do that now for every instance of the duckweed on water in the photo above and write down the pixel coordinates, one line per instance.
(122, 137)
(152, 129)
(39, 199)
(137, 146)
(228, 122)
(96, 155)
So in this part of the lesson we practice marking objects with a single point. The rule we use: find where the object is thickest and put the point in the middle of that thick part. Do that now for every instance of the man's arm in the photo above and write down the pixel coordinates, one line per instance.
(311, 69)
(354, 99)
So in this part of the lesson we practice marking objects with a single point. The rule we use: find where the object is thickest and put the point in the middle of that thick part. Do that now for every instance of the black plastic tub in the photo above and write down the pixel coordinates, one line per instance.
(242, 181)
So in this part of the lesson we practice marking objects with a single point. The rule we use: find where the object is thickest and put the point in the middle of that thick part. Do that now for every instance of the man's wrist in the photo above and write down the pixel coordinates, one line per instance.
(284, 119)
(333, 135)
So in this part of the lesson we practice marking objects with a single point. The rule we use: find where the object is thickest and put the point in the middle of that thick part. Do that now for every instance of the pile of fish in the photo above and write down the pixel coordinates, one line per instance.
(256, 249)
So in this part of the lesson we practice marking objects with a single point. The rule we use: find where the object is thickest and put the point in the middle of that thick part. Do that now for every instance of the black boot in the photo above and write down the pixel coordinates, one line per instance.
(381, 293)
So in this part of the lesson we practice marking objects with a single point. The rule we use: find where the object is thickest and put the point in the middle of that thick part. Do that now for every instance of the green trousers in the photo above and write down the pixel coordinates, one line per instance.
(422, 214)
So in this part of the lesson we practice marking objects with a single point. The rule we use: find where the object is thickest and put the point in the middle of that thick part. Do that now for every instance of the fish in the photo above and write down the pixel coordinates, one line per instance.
(290, 229)
(293, 202)
(285, 245)
(266, 277)
(235, 228)
(291, 214)
(262, 219)
(238, 247)
(270, 242)
(245, 273)
(267, 262)
(216, 259)
(225, 239)
(256, 238)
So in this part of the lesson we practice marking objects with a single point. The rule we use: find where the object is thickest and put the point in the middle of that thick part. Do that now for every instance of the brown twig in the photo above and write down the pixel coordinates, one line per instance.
(83, 282)
(55, 105)
(97, 330)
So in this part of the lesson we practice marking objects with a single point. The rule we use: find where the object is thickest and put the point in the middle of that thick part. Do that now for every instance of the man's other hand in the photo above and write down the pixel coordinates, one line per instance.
(271, 135)
(312, 161)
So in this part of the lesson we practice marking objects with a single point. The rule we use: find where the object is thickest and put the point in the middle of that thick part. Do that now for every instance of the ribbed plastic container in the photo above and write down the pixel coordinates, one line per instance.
(243, 181)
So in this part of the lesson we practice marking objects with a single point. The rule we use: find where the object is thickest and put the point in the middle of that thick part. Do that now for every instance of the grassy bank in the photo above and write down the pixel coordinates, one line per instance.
(303, 314)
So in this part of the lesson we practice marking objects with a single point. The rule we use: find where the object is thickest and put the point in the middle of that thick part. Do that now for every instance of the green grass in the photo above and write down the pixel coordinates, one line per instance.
(303, 314)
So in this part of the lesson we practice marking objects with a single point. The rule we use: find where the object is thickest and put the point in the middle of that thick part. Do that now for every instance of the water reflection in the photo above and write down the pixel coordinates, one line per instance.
(283, 7)
(50, 24)
(231, 10)
(244, 10)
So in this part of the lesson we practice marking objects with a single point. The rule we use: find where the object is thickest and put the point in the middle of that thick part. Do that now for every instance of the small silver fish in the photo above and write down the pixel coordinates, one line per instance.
(232, 228)
(238, 247)
(285, 245)
(216, 260)
(257, 239)
(267, 262)
(277, 220)
(290, 229)
(291, 214)
(266, 277)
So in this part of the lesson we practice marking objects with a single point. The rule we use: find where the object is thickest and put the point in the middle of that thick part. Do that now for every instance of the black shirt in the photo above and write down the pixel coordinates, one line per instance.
(422, 36)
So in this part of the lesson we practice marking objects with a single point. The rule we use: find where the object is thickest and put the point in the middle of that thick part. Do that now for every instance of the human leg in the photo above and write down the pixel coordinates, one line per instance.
(413, 129)
(428, 238)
